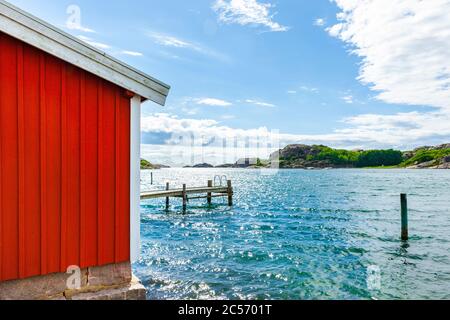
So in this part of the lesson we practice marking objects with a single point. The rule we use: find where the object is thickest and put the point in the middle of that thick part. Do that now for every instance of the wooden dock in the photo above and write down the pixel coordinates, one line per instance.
(187, 194)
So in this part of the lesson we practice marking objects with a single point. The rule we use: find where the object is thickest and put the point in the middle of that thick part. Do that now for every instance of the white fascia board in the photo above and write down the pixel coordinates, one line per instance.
(135, 178)
(35, 32)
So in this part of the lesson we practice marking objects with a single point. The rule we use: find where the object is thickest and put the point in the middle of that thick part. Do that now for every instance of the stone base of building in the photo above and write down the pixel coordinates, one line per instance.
(111, 282)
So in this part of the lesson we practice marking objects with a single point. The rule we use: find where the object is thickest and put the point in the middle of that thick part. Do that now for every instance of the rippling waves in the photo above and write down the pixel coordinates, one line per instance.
(299, 235)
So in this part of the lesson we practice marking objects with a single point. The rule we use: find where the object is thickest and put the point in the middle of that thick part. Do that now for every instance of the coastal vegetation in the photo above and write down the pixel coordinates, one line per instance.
(427, 155)
(147, 165)
(358, 159)
(318, 156)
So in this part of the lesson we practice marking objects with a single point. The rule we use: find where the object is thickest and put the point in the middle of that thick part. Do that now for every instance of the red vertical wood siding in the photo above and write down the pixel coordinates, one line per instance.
(64, 165)
(32, 219)
(10, 159)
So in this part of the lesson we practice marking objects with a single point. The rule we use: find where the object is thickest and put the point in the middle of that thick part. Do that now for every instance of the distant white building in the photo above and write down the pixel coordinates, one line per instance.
(247, 162)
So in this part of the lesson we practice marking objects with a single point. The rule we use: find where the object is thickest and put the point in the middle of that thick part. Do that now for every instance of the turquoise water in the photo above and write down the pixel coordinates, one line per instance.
(299, 235)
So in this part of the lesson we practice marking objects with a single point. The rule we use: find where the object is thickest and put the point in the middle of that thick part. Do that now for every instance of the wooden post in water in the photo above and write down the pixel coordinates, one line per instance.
(151, 178)
(404, 210)
(184, 199)
(209, 196)
(230, 193)
(167, 199)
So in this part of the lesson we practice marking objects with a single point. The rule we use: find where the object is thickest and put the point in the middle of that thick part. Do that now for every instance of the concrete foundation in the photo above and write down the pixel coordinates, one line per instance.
(111, 282)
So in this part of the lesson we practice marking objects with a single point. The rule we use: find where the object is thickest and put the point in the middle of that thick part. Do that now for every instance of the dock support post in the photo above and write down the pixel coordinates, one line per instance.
(230, 193)
(151, 178)
(404, 211)
(184, 199)
(209, 197)
(167, 199)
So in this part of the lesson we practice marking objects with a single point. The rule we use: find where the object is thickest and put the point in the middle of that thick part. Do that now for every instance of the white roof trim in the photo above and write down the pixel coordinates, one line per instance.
(29, 29)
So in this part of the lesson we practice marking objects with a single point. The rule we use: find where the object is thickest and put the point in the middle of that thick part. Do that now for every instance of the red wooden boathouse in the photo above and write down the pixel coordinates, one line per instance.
(69, 150)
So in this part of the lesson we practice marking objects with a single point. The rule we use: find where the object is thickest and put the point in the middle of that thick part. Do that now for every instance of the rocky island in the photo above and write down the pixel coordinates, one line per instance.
(200, 165)
(301, 156)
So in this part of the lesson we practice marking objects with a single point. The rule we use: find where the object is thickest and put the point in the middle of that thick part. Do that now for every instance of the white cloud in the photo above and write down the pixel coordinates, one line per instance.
(171, 41)
(247, 12)
(98, 45)
(304, 89)
(190, 111)
(309, 89)
(213, 102)
(169, 124)
(348, 99)
(177, 43)
(132, 53)
(228, 117)
(260, 103)
(80, 28)
(404, 47)
(403, 130)
(320, 22)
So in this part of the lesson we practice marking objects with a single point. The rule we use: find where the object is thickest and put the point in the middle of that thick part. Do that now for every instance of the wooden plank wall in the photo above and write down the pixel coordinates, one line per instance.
(64, 165)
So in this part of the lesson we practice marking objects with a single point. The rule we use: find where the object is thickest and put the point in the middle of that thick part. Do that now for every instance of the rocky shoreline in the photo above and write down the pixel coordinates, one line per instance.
(443, 164)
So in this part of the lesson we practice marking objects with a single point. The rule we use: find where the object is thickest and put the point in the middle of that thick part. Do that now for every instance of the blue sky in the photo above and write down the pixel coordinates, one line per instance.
(342, 73)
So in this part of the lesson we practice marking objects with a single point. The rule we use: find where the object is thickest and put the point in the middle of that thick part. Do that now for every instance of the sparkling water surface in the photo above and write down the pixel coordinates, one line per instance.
(296, 234)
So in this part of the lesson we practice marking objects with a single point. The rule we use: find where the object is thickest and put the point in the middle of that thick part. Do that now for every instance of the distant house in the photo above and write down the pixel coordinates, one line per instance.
(247, 162)
(69, 150)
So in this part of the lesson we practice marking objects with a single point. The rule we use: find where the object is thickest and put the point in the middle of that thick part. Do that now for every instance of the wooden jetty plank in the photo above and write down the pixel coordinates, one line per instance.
(208, 192)
(179, 192)
(221, 195)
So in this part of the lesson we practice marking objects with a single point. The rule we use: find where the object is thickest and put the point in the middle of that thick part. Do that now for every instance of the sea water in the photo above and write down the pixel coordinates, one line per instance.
(298, 234)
